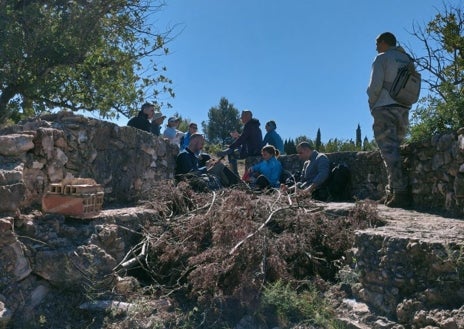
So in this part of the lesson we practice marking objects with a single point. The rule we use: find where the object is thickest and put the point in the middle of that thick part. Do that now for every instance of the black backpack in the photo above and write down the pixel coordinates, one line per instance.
(339, 182)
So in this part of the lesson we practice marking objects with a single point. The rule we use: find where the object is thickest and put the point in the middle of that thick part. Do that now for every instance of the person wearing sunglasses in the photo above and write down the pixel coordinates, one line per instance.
(185, 140)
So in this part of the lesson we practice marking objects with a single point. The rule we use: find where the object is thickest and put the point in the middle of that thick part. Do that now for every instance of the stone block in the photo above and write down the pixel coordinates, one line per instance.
(15, 144)
(11, 197)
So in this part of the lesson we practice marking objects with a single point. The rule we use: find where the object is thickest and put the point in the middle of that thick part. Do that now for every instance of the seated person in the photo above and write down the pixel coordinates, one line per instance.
(272, 137)
(315, 172)
(268, 171)
(171, 132)
(185, 140)
(189, 163)
(142, 120)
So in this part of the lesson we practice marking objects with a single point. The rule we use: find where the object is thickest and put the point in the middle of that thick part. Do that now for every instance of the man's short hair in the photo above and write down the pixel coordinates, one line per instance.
(247, 112)
(388, 38)
(195, 136)
(147, 105)
(305, 145)
(271, 124)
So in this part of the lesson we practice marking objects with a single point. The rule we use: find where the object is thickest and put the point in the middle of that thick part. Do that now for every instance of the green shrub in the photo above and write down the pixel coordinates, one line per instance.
(294, 307)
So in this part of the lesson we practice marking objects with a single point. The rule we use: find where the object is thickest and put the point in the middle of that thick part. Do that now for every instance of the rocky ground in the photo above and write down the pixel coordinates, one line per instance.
(72, 273)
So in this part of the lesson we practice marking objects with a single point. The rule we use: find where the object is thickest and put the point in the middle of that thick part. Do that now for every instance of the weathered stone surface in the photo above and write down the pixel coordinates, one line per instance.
(409, 259)
(65, 254)
(404, 267)
(413, 256)
(127, 161)
(12, 257)
(15, 144)
(124, 160)
(12, 187)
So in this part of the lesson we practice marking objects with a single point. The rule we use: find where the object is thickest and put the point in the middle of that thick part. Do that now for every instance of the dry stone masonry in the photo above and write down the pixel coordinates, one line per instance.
(36, 153)
(404, 268)
(126, 162)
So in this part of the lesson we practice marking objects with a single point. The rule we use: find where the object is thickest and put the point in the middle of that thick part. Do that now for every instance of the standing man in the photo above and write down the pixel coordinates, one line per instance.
(142, 120)
(249, 141)
(391, 119)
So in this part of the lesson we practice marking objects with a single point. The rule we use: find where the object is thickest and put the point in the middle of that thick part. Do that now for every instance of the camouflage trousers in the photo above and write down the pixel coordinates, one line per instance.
(390, 127)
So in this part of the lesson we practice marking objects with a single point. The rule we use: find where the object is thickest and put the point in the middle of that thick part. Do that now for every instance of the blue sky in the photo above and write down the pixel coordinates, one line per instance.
(303, 63)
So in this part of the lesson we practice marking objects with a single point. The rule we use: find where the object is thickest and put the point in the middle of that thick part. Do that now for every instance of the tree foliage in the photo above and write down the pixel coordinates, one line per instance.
(221, 121)
(333, 145)
(318, 139)
(79, 55)
(289, 146)
(358, 137)
(443, 41)
(303, 138)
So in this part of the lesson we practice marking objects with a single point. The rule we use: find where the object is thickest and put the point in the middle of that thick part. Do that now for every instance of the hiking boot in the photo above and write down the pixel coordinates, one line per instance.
(399, 200)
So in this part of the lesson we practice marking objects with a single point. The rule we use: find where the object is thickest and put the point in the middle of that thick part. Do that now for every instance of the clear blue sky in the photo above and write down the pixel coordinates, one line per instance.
(304, 64)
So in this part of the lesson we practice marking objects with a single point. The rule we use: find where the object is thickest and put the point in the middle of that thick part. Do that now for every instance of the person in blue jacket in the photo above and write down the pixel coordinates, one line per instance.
(272, 137)
(185, 140)
(268, 171)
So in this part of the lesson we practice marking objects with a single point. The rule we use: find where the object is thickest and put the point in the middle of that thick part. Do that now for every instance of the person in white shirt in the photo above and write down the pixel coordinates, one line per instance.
(171, 132)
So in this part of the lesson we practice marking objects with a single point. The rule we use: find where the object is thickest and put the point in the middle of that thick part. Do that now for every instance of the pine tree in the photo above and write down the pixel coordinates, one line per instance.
(318, 139)
(223, 119)
(358, 138)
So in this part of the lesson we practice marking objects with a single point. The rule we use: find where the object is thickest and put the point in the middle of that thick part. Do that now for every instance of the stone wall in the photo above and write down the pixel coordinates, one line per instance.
(435, 171)
(402, 266)
(412, 263)
(124, 160)
(368, 173)
(128, 162)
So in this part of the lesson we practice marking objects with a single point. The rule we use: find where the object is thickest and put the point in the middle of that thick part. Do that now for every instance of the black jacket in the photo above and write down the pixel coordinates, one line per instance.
(250, 140)
(187, 162)
(140, 122)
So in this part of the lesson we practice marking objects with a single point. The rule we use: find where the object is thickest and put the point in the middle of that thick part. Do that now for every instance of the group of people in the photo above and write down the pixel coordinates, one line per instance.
(391, 120)
(245, 144)
(151, 120)
(265, 174)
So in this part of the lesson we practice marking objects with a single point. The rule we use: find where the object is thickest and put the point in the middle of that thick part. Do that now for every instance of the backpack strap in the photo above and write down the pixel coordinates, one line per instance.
(388, 85)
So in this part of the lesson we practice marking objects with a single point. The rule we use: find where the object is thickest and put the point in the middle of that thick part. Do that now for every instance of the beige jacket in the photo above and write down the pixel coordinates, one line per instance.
(385, 68)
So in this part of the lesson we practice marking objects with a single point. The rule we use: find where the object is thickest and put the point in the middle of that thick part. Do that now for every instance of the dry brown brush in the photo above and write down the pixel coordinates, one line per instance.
(219, 250)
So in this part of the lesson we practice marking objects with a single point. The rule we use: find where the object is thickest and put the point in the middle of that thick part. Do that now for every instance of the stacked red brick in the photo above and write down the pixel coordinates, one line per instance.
(77, 197)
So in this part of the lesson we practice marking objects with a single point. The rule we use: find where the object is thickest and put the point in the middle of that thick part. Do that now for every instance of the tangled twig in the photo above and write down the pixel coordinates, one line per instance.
(259, 229)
